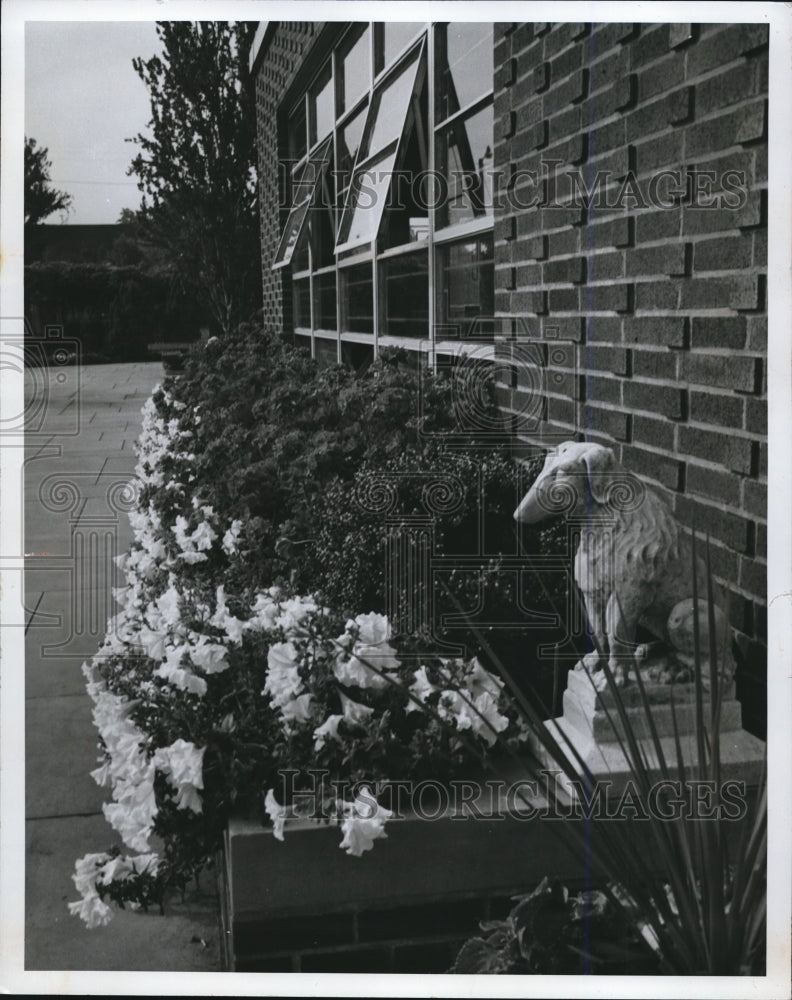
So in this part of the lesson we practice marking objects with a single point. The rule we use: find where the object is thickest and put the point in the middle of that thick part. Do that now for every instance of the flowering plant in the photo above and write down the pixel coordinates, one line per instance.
(207, 686)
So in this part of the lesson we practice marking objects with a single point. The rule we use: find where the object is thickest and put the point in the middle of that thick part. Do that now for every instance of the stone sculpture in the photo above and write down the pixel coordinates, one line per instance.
(634, 564)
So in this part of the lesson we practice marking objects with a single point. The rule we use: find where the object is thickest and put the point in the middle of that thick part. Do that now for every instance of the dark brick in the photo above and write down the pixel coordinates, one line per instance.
(535, 248)
(607, 68)
(605, 266)
(753, 576)
(527, 115)
(665, 260)
(671, 109)
(716, 408)
(660, 364)
(561, 410)
(608, 298)
(606, 35)
(528, 275)
(563, 299)
(611, 359)
(755, 497)
(605, 420)
(654, 397)
(661, 76)
(710, 483)
(680, 34)
(290, 933)
(566, 63)
(563, 328)
(724, 526)
(656, 433)
(607, 137)
(572, 269)
(725, 332)
(666, 331)
(659, 468)
(574, 88)
(541, 77)
(738, 291)
(652, 43)
(731, 452)
(657, 225)
(729, 87)
(756, 416)
(615, 233)
(721, 47)
(425, 959)
(661, 151)
(757, 333)
(603, 330)
(564, 243)
(723, 254)
(735, 372)
(603, 389)
(743, 125)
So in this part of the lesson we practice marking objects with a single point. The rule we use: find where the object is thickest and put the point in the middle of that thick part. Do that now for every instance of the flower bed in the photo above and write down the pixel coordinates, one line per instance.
(233, 657)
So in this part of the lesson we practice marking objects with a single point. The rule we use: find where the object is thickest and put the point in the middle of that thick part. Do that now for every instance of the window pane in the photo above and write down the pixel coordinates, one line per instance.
(464, 157)
(304, 191)
(297, 137)
(390, 107)
(321, 107)
(354, 71)
(405, 284)
(392, 36)
(302, 303)
(468, 277)
(326, 351)
(367, 200)
(357, 299)
(357, 356)
(325, 301)
(348, 143)
(465, 66)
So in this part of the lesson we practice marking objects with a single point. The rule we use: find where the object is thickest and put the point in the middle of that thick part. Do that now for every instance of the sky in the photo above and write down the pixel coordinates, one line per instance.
(82, 100)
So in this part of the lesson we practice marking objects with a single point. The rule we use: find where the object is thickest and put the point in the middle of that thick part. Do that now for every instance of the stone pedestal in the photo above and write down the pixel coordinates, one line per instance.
(591, 723)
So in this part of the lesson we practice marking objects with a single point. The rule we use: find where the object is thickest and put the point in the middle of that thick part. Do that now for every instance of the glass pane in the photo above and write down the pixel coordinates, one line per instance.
(348, 143)
(357, 356)
(465, 66)
(305, 188)
(326, 351)
(392, 36)
(302, 303)
(354, 72)
(325, 301)
(405, 282)
(390, 107)
(321, 107)
(297, 137)
(468, 277)
(357, 299)
(464, 157)
(367, 200)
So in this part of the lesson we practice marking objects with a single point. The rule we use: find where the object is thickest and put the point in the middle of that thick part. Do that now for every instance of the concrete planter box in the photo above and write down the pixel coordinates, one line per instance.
(406, 906)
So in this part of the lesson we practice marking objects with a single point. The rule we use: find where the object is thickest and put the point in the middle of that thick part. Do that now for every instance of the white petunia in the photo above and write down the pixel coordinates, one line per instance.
(327, 731)
(420, 690)
(364, 822)
(276, 813)
(211, 657)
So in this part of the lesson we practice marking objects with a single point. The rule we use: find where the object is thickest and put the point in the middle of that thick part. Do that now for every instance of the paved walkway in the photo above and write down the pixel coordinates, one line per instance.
(79, 456)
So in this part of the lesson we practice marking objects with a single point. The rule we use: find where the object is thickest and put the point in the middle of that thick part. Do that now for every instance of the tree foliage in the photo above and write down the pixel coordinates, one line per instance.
(197, 167)
(41, 199)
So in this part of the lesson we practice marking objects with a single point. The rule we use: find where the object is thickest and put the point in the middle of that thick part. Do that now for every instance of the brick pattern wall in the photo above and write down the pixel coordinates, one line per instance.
(664, 302)
(275, 72)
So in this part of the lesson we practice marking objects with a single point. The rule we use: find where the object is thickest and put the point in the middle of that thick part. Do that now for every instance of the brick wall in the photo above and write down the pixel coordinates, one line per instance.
(274, 74)
(664, 301)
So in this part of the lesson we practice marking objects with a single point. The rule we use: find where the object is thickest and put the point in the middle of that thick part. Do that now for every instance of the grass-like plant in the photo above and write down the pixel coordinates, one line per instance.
(694, 887)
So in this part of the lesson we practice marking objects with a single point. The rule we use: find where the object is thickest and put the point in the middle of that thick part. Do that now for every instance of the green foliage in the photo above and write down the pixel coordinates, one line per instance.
(114, 311)
(551, 932)
(694, 886)
(197, 167)
(41, 199)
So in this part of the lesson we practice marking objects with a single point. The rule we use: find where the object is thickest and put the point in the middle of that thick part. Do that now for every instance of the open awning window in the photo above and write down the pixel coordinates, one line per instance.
(390, 118)
(306, 189)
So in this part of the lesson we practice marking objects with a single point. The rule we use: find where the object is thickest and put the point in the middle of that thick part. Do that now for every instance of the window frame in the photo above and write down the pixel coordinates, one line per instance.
(372, 249)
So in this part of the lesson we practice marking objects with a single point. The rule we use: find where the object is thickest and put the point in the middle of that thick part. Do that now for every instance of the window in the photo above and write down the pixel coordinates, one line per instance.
(389, 229)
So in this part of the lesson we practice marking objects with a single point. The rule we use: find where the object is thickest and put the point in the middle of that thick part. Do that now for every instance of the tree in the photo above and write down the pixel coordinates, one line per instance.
(197, 168)
(41, 199)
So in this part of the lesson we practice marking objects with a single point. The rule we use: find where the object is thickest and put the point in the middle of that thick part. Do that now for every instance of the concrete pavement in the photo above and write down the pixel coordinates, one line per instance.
(79, 456)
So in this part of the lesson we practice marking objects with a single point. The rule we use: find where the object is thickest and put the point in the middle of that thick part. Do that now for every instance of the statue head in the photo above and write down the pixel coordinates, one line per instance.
(575, 474)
